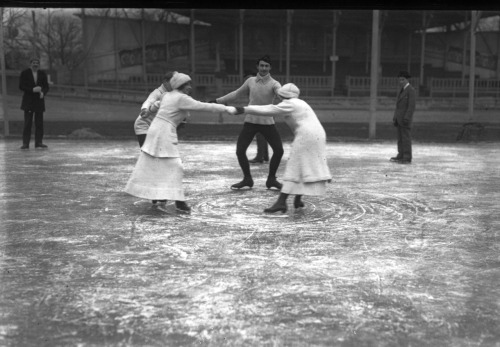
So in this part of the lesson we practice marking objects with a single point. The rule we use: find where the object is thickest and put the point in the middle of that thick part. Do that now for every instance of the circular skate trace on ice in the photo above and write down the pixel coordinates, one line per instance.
(247, 209)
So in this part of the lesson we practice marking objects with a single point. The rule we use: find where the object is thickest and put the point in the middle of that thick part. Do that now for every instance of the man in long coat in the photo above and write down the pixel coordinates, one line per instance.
(403, 118)
(34, 83)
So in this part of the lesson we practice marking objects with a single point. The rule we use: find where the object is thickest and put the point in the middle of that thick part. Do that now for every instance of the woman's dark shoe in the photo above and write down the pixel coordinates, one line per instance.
(273, 183)
(297, 203)
(246, 182)
(182, 206)
(276, 208)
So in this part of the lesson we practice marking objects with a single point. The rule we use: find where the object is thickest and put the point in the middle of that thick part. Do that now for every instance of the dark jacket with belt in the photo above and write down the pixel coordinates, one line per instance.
(32, 101)
(405, 106)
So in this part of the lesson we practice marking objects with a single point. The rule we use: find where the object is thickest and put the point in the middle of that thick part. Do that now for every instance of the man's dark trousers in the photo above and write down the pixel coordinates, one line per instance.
(271, 135)
(262, 150)
(404, 143)
(28, 122)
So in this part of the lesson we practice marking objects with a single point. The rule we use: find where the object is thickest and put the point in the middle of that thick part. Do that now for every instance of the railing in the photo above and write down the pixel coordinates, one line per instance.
(96, 93)
(228, 82)
(360, 85)
(310, 86)
(126, 81)
(460, 87)
(317, 102)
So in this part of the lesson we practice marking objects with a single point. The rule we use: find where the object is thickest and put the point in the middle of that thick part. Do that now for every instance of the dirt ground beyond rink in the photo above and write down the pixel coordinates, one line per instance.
(393, 255)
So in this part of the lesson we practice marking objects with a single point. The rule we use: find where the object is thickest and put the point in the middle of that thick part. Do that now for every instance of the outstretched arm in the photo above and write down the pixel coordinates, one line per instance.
(234, 95)
(152, 97)
(148, 105)
(284, 108)
(187, 103)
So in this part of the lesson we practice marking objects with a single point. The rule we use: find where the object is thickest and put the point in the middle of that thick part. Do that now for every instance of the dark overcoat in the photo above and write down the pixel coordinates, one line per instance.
(32, 101)
(405, 107)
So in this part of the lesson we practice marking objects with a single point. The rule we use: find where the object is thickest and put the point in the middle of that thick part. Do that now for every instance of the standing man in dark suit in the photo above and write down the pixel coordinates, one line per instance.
(403, 118)
(34, 83)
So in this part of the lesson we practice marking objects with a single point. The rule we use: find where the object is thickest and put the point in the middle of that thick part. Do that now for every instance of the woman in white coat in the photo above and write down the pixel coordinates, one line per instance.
(158, 172)
(306, 171)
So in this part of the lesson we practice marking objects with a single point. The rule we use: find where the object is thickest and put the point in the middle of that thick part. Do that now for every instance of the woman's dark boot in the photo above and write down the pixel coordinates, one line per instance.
(297, 203)
(182, 206)
(279, 205)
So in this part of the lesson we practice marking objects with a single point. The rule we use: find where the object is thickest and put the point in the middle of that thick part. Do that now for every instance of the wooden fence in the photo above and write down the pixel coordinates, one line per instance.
(98, 93)
(208, 85)
(360, 85)
(458, 87)
(316, 85)
(436, 87)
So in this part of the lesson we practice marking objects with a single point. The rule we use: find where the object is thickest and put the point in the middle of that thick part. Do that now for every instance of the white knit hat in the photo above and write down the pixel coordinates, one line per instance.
(289, 90)
(178, 80)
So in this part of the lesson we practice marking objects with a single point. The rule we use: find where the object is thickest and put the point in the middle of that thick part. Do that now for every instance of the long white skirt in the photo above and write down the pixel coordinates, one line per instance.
(304, 188)
(156, 178)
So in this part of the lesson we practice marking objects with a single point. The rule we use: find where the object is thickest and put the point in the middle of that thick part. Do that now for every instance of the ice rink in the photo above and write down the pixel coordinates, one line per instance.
(393, 255)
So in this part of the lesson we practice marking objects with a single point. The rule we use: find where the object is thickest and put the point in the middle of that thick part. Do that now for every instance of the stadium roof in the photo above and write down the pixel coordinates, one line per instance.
(409, 19)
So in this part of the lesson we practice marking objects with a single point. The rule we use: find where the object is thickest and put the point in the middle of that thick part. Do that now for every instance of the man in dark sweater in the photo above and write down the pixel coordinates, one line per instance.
(260, 90)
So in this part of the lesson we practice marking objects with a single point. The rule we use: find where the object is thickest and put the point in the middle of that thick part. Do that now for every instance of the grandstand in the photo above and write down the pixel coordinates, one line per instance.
(327, 53)
(309, 47)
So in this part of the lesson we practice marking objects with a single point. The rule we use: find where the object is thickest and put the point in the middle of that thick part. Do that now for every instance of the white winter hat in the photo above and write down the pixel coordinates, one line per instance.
(289, 90)
(178, 80)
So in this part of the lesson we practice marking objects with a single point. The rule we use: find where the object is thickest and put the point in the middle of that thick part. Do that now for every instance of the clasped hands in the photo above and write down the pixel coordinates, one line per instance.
(232, 110)
(152, 109)
(235, 110)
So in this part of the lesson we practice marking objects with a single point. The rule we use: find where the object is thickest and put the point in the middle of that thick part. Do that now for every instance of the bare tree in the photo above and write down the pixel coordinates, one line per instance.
(61, 40)
(16, 45)
(101, 12)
